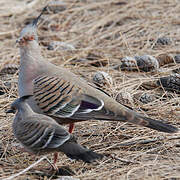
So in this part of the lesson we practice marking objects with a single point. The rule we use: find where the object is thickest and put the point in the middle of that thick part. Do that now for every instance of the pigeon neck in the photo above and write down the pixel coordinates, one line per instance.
(30, 53)
(25, 110)
(30, 65)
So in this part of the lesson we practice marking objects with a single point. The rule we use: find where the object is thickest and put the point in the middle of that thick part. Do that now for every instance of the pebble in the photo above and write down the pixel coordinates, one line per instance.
(102, 78)
(163, 41)
(58, 45)
(128, 63)
(170, 83)
(147, 63)
(124, 98)
(144, 63)
(144, 97)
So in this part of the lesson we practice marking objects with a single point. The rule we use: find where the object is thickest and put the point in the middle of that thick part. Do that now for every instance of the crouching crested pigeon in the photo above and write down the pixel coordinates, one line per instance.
(40, 134)
(63, 95)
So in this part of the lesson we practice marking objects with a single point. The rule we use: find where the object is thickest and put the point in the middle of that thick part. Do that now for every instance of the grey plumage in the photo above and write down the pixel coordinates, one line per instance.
(40, 134)
(66, 97)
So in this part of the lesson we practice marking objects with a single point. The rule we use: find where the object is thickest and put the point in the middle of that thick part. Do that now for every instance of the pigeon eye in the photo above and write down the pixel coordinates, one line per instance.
(30, 38)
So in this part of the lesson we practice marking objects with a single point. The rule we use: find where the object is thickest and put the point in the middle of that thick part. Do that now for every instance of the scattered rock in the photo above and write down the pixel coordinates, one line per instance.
(170, 83)
(102, 78)
(147, 63)
(144, 63)
(124, 98)
(144, 97)
(163, 41)
(128, 63)
(58, 45)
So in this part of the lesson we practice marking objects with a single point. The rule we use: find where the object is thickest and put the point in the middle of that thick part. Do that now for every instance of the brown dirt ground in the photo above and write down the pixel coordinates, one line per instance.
(109, 29)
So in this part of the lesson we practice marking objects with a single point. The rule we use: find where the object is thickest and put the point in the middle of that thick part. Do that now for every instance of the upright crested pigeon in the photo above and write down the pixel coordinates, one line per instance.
(40, 134)
(63, 95)
(66, 97)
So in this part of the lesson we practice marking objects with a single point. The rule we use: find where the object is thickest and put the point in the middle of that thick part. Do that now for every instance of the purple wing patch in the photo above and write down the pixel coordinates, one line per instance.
(90, 104)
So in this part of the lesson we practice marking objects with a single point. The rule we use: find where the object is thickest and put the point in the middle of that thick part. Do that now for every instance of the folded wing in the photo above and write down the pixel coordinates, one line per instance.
(59, 98)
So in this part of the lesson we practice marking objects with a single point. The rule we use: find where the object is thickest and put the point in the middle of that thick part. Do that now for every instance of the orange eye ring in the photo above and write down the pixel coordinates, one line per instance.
(30, 38)
(25, 39)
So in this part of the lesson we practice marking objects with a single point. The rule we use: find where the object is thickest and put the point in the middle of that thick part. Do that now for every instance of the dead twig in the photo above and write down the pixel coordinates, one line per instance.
(27, 169)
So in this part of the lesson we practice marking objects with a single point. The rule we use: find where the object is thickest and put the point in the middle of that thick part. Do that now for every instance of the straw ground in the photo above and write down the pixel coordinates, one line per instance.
(102, 32)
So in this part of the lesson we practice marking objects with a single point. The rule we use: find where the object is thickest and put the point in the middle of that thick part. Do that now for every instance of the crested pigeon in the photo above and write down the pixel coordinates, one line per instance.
(40, 134)
(63, 95)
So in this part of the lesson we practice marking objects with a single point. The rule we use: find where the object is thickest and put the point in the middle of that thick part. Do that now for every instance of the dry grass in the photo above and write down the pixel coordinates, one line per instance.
(110, 29)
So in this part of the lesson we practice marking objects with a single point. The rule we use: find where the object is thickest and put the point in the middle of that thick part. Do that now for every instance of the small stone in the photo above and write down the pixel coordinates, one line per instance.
(58, 45)
(163, 41)
(147, 63)
(170, 83)
(128, 63)
(145, 98)
(124, 98)
(144, 63)
(102, 78)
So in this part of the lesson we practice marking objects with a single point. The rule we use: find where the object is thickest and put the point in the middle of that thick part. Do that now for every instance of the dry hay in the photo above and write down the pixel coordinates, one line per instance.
(107, 31)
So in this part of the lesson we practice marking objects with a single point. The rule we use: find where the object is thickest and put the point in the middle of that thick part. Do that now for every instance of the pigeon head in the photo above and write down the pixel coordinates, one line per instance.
(18, 103)
(29, 32)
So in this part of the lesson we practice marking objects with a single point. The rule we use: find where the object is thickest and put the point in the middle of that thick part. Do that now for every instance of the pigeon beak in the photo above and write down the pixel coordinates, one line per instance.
(17, 41)
(13, 111)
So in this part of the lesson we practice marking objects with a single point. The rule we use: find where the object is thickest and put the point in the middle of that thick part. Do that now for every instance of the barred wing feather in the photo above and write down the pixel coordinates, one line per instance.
(60, 98)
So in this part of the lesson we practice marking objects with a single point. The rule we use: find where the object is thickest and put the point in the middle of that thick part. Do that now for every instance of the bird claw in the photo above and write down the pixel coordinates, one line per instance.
(53, 165)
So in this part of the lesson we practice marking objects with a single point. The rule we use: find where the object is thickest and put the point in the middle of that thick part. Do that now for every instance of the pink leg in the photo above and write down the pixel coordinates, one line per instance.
(55, 160)
(71, 127)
